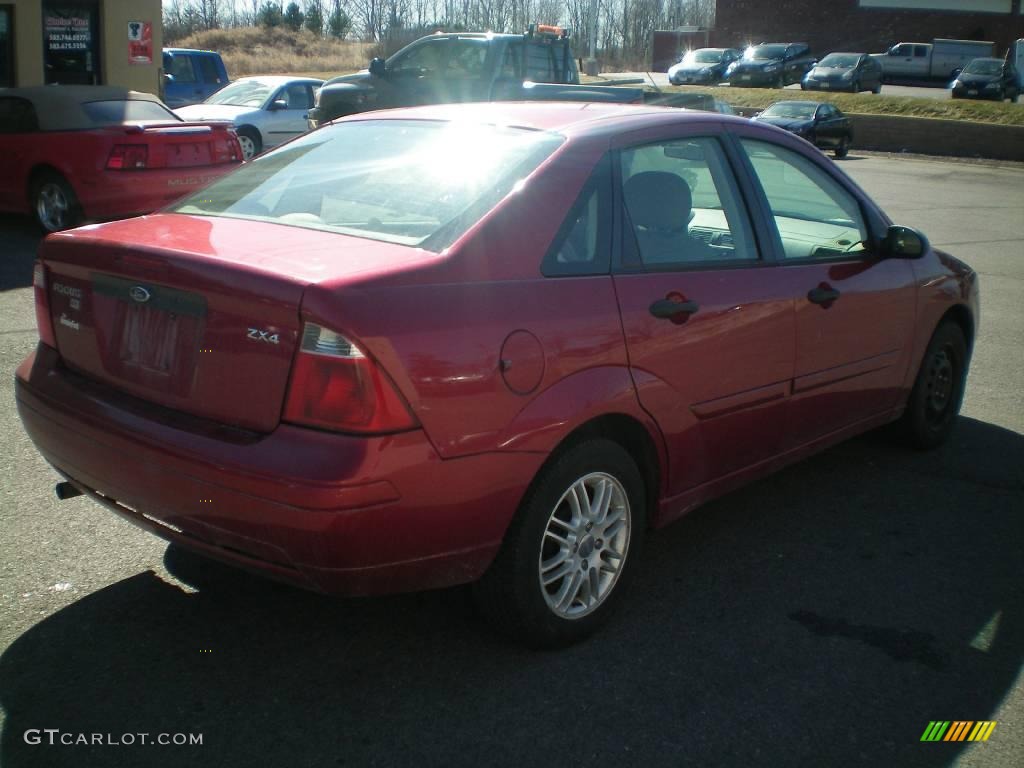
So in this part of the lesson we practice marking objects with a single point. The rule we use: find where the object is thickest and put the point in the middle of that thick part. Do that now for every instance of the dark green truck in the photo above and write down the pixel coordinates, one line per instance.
(475, 66)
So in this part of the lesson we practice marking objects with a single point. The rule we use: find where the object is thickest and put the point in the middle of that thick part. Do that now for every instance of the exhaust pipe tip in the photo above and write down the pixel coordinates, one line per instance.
(66, 490)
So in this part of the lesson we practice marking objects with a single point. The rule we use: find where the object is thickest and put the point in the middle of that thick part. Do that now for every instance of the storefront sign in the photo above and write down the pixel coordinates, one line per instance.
(67, 30)
(140, 42)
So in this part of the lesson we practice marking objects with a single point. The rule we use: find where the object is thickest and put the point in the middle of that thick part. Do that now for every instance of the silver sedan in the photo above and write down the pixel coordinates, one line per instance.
(266, 110)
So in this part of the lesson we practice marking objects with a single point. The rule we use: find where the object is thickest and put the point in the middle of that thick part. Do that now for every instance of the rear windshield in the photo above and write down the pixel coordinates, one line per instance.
(419, 183)
(128, 111)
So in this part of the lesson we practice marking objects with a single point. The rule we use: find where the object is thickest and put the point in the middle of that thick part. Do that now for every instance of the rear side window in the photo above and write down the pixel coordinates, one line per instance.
(682, 207)
(815, 217)
(583, 244)
(181, 68)
(209, 70)
(17, 116)
(128, 111)
(540, 64)
(417, 183)
(920, 51)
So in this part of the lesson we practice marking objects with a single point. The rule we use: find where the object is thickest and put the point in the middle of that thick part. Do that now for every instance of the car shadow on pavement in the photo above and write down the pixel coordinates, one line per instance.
(822, 616)
(20, 239)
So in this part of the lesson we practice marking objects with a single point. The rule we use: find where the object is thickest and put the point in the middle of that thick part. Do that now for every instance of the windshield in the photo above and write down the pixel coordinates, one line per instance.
(791, 109)
(764, 52)
(984, 67)
(420, 183)
(117, 112)
(703, 56)
(839, 61)
(243, 93)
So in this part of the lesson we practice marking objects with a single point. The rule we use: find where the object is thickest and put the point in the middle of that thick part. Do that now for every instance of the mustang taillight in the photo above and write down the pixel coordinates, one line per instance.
(335, 386)
(127, 157)
(44, 322)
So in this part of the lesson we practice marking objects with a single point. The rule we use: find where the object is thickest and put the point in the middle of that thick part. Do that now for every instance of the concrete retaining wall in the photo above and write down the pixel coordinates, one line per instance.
(928, 136)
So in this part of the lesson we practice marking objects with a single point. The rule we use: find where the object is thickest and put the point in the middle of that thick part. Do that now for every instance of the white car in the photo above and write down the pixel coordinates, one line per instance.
(266, 110)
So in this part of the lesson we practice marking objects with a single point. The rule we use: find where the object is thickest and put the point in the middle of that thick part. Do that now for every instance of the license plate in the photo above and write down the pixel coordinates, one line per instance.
(149, 339)
(972, 93)
(825, 85)
(745, 77)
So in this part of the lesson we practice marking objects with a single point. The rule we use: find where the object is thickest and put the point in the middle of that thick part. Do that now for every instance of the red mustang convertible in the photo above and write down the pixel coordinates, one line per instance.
(74, 152)
(485, 343)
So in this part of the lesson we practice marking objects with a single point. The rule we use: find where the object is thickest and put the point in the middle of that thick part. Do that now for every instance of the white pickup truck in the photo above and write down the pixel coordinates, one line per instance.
(939, 59)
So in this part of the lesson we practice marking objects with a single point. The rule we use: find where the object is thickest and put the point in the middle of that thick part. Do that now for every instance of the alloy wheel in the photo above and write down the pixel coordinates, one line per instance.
(52, 207)
(586, 541)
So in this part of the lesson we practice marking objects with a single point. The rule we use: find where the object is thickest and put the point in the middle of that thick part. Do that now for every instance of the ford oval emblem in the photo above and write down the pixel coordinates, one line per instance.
(139, 294)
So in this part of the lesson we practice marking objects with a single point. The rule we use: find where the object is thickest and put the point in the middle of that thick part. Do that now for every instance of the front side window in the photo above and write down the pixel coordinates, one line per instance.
(682, 206)
(814, 215)
(418, 183)
(17, 116)
(422, 61)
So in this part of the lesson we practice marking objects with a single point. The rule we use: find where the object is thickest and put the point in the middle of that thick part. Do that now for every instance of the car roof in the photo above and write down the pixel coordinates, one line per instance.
(189, 50)
(801, 102)
(570, 118)
(59, 107)
(842, 53)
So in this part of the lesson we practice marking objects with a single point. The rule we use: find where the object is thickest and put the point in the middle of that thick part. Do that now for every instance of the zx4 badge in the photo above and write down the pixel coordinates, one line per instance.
(257, 335)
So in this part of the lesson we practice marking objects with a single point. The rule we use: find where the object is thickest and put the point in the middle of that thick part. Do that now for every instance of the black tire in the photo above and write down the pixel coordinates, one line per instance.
(843, 148)
(511, 594)
(938, 389)
(855, 87)
(251, 141)
(877, 89)
(780, 81)
(54, 203)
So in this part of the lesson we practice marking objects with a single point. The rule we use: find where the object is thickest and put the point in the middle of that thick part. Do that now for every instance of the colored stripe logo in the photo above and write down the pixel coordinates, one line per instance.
(958, 730)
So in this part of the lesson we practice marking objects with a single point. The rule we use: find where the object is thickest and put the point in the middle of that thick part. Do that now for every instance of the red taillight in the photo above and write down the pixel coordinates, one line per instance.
(127, 157)
(43, 320)
(335, 386)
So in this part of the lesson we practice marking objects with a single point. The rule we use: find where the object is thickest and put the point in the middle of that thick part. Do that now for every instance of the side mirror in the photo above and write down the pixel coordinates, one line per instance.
(377, 67)
(278, 104)
(904, 243)
(168, 77)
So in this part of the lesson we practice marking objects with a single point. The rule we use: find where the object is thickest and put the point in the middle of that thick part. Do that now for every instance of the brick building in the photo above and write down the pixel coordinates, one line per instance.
(866, 25)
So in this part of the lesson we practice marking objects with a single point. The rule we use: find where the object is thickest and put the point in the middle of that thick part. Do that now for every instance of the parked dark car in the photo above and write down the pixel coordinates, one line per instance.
(854, 72)
(988, 79)
(410, 349)
(771, 64)
(704, 66)
(821, 124)
(191, 76)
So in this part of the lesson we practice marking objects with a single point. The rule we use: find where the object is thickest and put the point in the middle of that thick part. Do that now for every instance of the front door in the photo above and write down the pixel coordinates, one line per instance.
(854, 311)
(280, 125)
(709, 331)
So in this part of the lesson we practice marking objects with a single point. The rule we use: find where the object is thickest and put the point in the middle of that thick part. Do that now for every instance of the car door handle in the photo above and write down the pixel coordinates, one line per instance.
(822, 295)
(666, 309)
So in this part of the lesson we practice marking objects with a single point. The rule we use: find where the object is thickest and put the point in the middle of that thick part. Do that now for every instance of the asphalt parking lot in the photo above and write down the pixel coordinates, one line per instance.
(822, 616)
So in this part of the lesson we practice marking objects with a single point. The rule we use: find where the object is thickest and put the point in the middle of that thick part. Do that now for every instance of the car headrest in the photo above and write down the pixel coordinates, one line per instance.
(658, 200)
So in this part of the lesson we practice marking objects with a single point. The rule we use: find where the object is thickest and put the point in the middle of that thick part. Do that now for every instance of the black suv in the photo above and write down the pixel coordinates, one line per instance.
(773, 65)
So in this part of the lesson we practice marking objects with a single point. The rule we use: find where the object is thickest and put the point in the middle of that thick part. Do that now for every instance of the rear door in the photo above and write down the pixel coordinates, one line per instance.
(709, 329)
(854, 312)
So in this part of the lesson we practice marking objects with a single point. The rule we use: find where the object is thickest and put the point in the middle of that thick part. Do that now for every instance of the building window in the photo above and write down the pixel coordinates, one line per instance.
(6, 46)
(71, 42)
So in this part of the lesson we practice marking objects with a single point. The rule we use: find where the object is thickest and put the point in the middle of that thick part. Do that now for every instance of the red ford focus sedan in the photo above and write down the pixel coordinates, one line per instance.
(74, 152)
(485, 343)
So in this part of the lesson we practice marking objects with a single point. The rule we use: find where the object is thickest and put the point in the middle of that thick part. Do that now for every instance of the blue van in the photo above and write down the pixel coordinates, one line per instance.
(191, 76)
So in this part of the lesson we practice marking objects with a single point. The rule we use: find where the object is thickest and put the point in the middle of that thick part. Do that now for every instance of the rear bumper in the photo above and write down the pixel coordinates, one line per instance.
(332, 513)
(114, 194)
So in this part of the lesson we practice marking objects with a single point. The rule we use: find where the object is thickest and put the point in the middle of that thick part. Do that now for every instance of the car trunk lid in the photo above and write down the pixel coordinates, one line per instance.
(197, 314)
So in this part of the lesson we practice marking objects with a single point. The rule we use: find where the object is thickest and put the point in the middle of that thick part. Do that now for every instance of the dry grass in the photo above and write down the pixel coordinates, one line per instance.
(278, 51)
